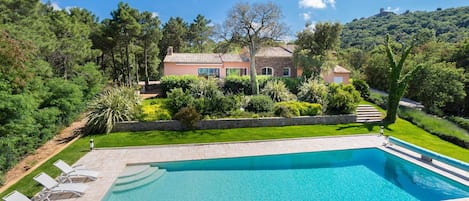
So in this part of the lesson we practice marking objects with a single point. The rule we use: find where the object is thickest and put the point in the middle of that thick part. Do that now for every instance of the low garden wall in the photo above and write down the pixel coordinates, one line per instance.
(235, 123)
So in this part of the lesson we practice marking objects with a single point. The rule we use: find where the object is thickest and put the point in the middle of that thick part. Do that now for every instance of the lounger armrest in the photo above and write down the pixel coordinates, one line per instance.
(79, 166)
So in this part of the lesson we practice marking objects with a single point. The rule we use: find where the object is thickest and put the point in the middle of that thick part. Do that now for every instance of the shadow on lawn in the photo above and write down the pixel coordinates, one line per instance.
(368, 126)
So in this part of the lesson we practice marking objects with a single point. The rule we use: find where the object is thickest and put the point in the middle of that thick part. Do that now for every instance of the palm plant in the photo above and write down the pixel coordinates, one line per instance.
(113, 105)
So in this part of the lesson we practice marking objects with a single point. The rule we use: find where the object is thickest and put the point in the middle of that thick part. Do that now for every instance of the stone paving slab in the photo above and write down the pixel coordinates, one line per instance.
(111, 162)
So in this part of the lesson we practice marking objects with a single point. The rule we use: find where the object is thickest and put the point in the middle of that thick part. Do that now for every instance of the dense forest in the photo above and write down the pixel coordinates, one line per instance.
(52, 62)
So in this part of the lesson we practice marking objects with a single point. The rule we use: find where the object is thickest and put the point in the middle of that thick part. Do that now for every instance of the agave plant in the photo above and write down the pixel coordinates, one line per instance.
(113, 105)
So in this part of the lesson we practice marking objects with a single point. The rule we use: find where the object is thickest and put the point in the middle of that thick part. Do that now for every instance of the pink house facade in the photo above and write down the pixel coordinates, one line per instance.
(202, 64)
(272, 61)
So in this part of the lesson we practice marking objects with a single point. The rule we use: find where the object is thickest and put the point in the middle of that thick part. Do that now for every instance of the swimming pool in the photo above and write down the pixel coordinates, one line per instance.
(358, 174)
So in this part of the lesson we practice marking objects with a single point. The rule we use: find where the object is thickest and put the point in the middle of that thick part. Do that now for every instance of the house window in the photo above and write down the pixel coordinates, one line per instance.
(235, 72)
(209, 72)
(267, 71)
(338, 80)
(286, 72)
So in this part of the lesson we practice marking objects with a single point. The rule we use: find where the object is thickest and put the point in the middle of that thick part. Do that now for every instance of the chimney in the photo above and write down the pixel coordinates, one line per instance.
(170, 51)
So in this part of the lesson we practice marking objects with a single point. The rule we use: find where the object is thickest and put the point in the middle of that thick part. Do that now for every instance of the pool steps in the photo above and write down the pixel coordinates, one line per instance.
(136, 176)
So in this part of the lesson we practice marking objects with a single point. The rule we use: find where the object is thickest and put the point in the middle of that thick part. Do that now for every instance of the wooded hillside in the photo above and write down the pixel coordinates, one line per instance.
(449, 25)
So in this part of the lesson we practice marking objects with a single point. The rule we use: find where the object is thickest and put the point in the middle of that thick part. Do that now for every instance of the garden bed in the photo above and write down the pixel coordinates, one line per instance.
(174, 125)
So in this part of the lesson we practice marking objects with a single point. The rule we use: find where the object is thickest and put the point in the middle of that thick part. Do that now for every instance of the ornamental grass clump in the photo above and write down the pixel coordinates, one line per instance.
(113, 105)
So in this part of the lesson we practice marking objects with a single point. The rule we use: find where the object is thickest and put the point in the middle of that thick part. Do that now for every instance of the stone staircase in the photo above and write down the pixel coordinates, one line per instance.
(136, 176)
(367, 113)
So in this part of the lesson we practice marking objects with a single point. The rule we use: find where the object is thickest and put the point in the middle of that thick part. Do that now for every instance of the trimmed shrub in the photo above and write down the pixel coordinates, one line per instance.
(314, 91)
(295, 108)
(178, 99)
(277, 91)
(260, 103)
(188, 116)
(310, 109)
(242, 84)
(237, 85)
(286, 109)
(176, 81)
(362, 87)
(114, 105)
(342, 99)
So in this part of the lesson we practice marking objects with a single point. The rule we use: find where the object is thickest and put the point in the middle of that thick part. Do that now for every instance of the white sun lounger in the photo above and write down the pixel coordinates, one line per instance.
(51, 186)
(16, 196)
(68, 171)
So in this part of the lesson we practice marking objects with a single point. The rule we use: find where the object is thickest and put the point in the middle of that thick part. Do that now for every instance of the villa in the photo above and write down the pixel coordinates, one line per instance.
(272, 61)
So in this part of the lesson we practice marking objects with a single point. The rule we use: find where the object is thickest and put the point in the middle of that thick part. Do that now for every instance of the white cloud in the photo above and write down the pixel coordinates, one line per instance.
(320, 4)
(155, 14)
(394, 10)
(55, 6)
(306, 16)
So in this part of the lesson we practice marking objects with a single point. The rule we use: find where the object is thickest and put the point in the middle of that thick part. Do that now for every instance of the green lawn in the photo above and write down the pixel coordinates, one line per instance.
(401, 129)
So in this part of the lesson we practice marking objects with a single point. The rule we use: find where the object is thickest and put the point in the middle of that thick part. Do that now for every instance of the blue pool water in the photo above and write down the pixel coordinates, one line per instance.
(360, 174)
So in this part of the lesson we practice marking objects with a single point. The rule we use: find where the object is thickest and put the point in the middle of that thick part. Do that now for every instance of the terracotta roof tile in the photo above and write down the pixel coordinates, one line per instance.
(193, 58)
(274, 52)
(340, 69)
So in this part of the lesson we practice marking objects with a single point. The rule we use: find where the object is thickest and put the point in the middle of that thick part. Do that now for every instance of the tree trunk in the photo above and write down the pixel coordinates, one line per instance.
(65, 69)
(137, 67)
(129, 70)
(393, 105)
(123, 68)
(253, 73)
(145, 52)
(114, 68)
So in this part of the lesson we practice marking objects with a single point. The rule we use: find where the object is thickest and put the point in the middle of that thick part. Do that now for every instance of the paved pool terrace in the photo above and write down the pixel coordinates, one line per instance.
(111, 162)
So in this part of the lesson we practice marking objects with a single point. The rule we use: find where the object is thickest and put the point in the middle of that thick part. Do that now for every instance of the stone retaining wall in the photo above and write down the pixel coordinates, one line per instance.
(235, 123)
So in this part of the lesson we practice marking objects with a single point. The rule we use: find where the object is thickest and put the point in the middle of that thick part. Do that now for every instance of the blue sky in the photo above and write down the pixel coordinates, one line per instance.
(296, 12)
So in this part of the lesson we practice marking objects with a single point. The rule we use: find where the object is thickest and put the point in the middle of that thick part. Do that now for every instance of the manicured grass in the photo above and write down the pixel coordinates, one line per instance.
(227, 135)
(401, 129)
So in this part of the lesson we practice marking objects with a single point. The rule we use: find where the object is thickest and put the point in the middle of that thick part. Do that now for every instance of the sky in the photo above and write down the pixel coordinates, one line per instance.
(296, 13)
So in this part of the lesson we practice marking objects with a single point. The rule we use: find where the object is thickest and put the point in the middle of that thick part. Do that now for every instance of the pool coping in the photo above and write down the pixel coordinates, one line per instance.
(110, 162)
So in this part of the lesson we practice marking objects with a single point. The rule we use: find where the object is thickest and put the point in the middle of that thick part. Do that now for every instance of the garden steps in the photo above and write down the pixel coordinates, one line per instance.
(144, 175)
(367, 113)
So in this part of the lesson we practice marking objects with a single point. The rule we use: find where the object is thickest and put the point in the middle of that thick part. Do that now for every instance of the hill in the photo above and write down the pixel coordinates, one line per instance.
(449, 25)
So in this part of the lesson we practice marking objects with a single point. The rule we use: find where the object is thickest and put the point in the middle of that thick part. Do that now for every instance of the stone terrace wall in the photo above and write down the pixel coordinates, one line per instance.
(235, 123)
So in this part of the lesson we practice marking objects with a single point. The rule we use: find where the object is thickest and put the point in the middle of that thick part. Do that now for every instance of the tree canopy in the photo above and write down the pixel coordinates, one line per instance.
(253, 26)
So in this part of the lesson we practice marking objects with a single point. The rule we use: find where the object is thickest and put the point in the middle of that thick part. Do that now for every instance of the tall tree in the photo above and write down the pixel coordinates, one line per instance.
(72, 36)
(149, 38)
(397, 81)
(199, 33)
(124, 21)
(314, 48)
(253, 26)
(174, 34)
